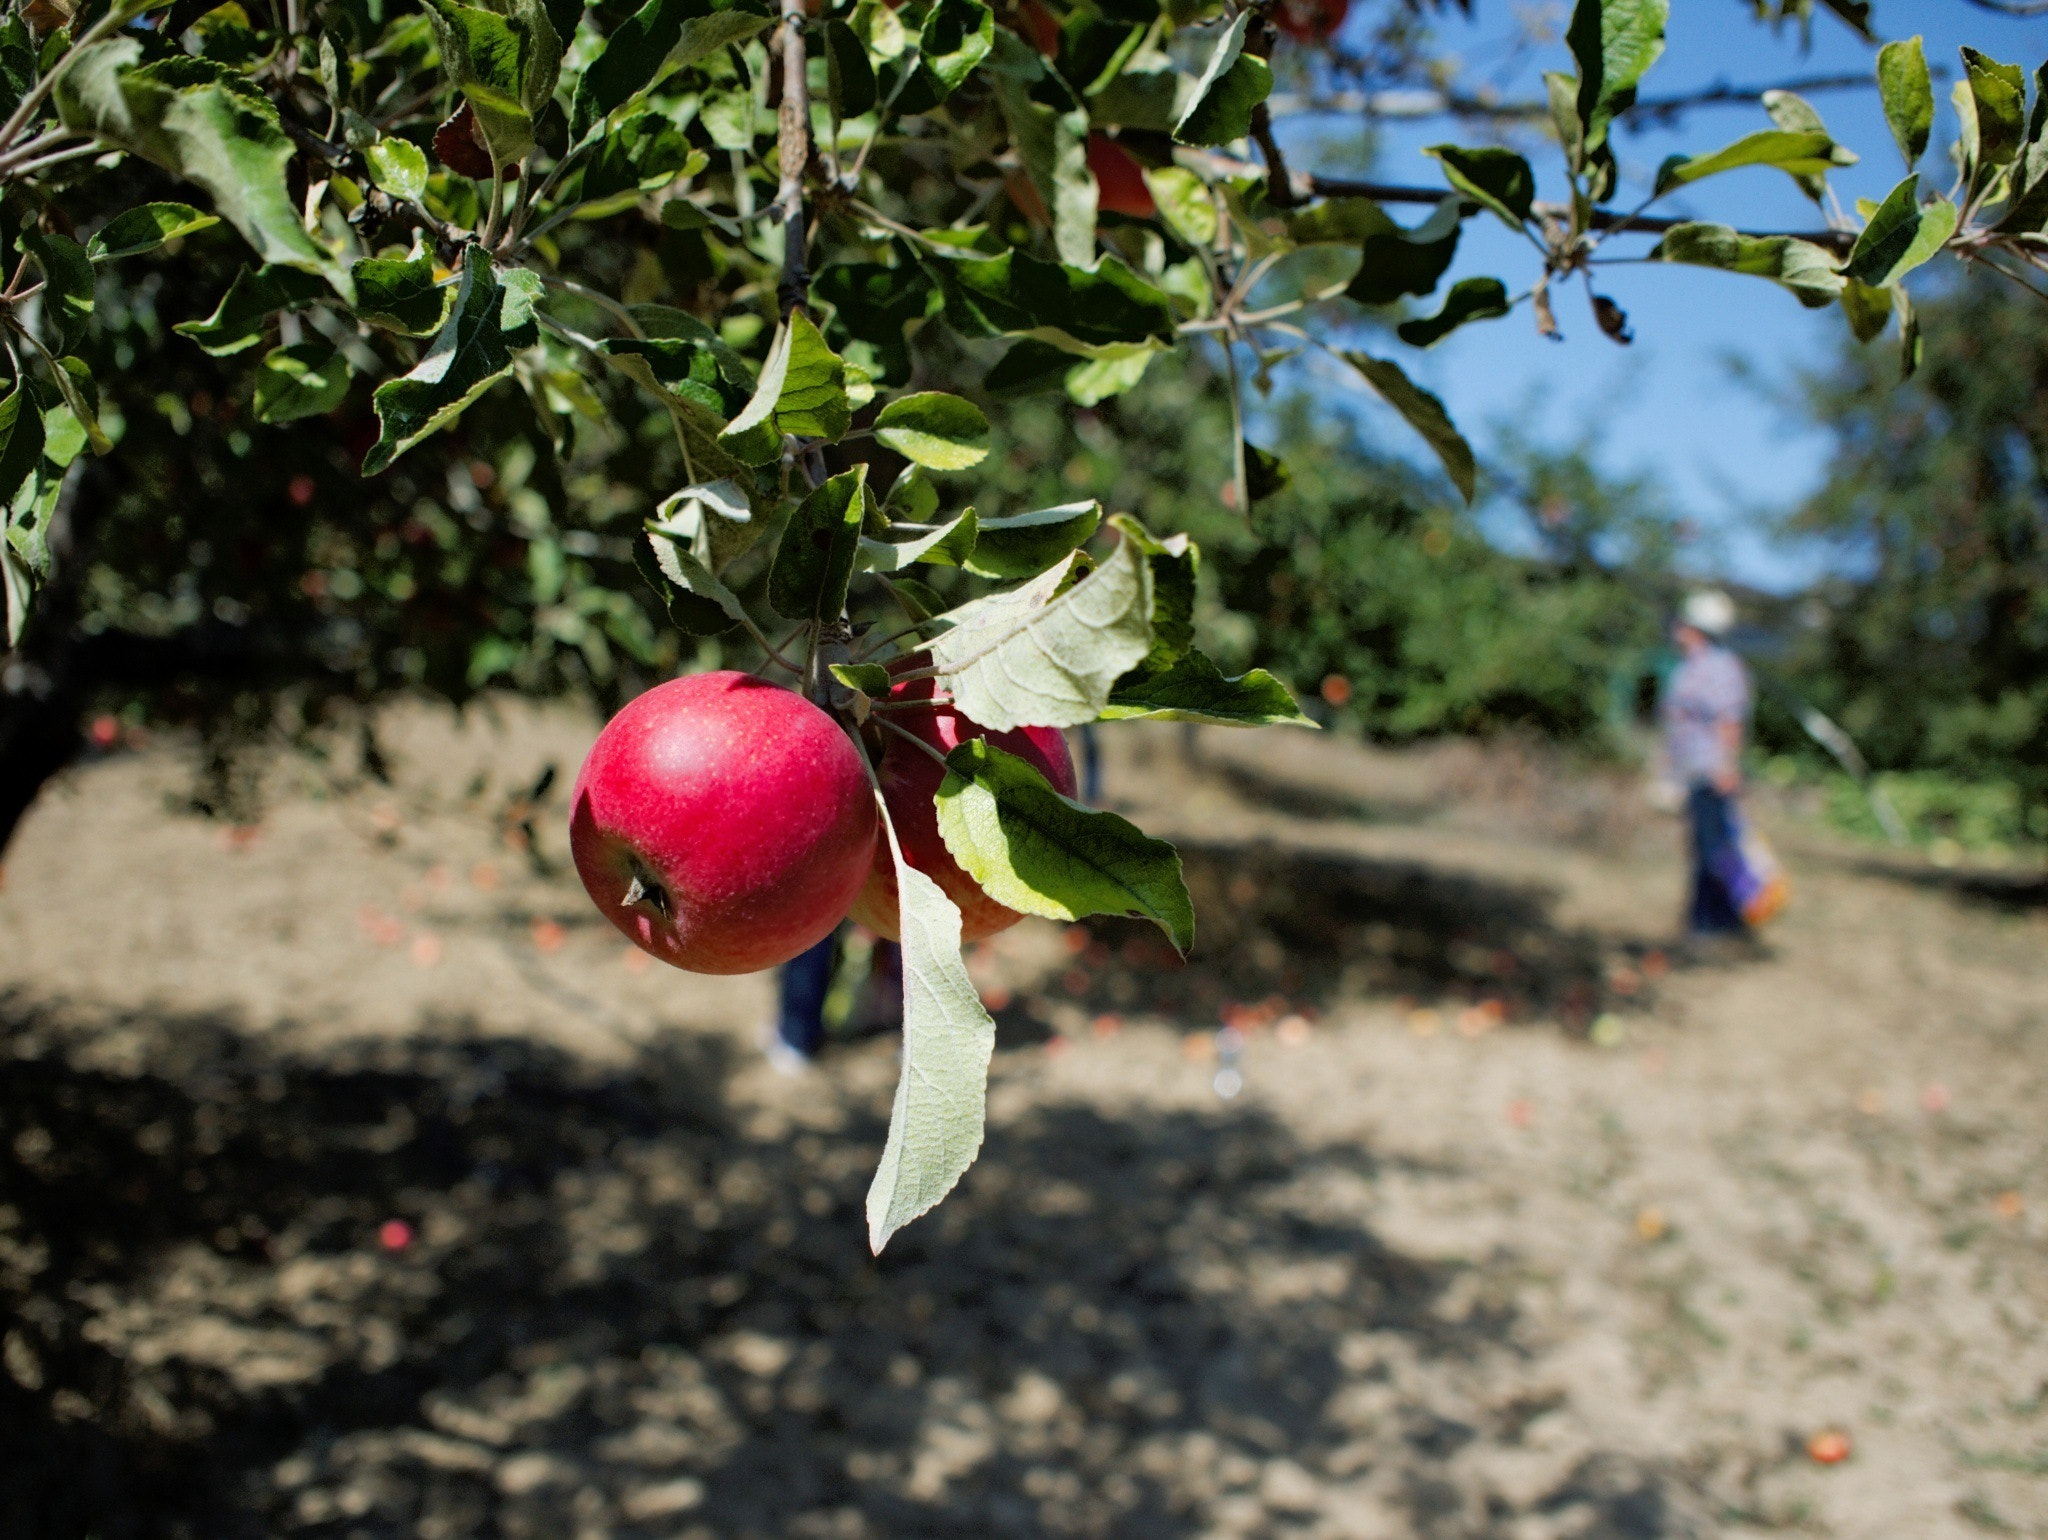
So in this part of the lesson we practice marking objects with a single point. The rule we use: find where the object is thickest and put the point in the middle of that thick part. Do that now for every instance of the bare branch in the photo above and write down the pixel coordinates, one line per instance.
(1429, 103)
(1306, 185)
(793, 148)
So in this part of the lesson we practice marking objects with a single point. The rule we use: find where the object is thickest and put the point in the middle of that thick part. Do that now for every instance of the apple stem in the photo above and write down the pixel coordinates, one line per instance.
(911, 705)
(910, 737)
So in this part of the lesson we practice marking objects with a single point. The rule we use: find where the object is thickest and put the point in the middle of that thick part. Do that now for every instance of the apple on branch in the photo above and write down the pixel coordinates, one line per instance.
(723, 823)
(910, 778)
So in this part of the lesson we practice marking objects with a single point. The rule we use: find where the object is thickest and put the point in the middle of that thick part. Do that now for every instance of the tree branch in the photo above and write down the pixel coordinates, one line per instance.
(1426, 103)
(793, 151)
(1306, 185)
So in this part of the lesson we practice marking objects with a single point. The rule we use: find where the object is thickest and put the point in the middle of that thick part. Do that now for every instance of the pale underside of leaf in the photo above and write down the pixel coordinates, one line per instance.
(1026, 658)
(936, 1124)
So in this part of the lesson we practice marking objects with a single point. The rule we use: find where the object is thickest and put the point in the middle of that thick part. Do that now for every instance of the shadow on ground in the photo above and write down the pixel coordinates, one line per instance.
(617, 1312)
(1319, 928)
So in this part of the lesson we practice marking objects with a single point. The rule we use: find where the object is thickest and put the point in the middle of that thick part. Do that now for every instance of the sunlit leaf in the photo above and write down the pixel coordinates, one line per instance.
(1232, 84)
(1037, 852)
(1908, 92)
(1902, 234)
(145, 228)
(243, 314)
(1037, 656)
(1811, 272)
(468, 356)
(944, 432)
(303, 380)
(1195, 690)
(1021, 545)
(935, 1125)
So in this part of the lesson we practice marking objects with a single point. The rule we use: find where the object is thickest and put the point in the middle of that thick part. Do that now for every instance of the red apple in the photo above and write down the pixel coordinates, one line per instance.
(1040, 26)
(1311, 21)
(1119, 179)
(723, 823)
(910, 779)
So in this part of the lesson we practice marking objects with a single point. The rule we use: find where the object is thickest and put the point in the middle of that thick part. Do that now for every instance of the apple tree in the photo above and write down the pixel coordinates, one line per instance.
(730, 292)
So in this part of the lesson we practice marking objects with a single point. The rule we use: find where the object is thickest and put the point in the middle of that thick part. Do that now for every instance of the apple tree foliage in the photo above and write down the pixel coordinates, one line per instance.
(446, 206)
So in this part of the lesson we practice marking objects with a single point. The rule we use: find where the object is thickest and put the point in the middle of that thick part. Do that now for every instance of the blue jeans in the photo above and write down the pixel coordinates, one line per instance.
(1713, 912)
(802, 984)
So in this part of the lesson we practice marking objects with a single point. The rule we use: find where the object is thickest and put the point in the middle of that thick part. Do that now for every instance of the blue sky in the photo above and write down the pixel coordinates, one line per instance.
(1728, 453)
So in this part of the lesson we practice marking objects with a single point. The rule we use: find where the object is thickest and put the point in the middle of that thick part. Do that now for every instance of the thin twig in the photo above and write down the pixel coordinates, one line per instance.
(604, 302)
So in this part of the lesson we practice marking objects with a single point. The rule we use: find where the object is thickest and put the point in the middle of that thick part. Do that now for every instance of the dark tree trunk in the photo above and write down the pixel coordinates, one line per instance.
(43, 683)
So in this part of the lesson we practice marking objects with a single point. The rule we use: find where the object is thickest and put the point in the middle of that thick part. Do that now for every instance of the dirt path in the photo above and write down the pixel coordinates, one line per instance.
(1509, 1233)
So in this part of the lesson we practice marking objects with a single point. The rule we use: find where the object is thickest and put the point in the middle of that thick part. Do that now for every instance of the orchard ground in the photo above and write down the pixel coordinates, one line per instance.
(358, 1180)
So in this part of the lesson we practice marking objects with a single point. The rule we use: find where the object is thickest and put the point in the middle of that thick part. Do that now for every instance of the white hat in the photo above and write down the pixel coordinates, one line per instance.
(1709, 610)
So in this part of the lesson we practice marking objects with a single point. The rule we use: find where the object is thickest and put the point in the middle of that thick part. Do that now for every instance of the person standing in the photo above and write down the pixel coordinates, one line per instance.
(1705, 714)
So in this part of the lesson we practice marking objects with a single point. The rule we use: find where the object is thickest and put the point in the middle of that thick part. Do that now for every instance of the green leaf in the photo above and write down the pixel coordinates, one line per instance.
(1495, 179)
(1809, 271)
(1037, 656)
(208, 125)
(1219, 110)
(871, 679)
(1470, 299)
(661, 37)
(946, 546)
(244, 312)
(1424, 413)
(935, 1126)
(1999, 92)
(1185, 203)
(1900, 236)
(1562, 94)
(946, 433)
(1265, 474)
(714, 520)
(696, 602)
(1022, 545)
(1078, 309)
(874, 303)
(850, 74)
(815, 560)
(1908, 92)
(144, 229)
(1806, 154)
(303, 380)
(1395, 262)
(469, 355)
(1615, 42)
(802, 391)
(399, 167)
(957, 35)
(1036, 852)
(1049, 128)
(1195, 690)
(1796, 115)
(400, 294)
(1867, 309)
(731, 119)
(75, 384)
(68, 282)
(643, 154)
(21, 442)
(505, 65)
